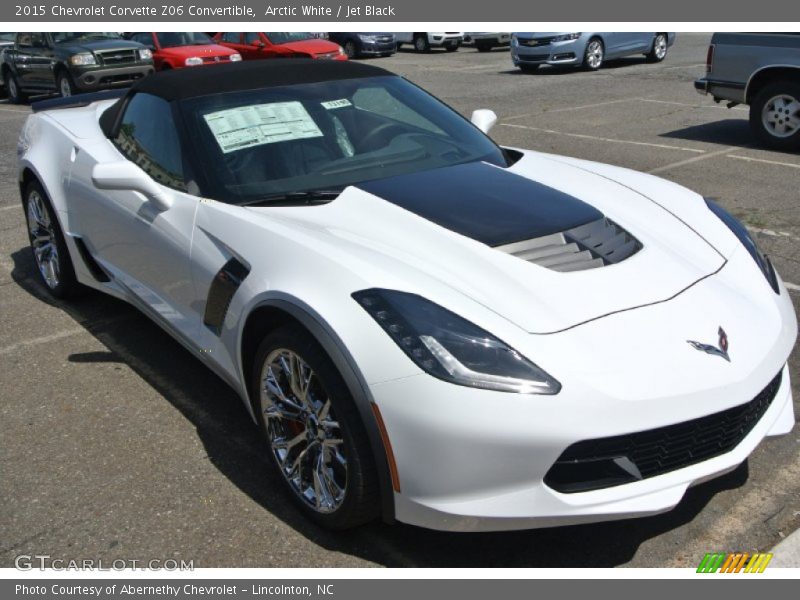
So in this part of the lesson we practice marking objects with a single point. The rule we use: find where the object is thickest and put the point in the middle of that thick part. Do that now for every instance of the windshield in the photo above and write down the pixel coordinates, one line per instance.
(324, 136)
(285, 38)
(7, 37)
(173, 39)
(60, 37)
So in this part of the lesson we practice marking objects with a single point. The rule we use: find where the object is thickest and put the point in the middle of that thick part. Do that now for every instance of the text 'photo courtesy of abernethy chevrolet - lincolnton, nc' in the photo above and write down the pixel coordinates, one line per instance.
(426, 326)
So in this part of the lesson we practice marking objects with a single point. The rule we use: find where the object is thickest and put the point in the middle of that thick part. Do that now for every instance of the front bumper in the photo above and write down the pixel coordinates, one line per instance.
(568, 52)
(475, 460)
(377, 48)
(444, 40)
(103, 78)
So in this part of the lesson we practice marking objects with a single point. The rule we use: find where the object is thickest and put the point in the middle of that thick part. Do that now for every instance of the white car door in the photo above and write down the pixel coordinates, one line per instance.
(143, 246)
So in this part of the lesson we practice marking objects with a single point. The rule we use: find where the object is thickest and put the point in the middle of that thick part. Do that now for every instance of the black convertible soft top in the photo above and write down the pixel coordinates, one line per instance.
(238, 77)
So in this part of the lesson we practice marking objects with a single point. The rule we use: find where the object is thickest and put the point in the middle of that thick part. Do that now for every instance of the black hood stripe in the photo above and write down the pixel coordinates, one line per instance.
(483, 202)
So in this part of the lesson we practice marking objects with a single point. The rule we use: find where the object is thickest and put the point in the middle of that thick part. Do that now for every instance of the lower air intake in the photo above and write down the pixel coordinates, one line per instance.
(596, 244)
(606, 462)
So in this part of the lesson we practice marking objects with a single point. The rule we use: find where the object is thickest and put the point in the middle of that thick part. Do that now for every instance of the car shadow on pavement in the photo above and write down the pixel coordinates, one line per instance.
(725, 132)
(234, 446)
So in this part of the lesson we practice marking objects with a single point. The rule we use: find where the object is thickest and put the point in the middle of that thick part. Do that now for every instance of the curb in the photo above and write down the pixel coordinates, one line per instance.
(787, 552)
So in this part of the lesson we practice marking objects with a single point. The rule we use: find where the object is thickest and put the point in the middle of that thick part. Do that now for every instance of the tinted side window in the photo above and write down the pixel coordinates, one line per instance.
(251, 37)
(148, 137)
(232, 38)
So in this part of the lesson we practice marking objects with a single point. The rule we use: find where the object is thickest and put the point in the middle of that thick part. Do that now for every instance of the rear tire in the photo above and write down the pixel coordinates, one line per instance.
(484, 46)
(775, 115)
(658, 51)
(13, 89)
(322, 455)
(50, 253)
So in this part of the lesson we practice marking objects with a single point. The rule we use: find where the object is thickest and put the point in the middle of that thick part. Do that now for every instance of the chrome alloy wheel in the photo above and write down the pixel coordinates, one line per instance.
(305, 438)
(43, 239)
(781, 116)
(594, 54)
(660, 46)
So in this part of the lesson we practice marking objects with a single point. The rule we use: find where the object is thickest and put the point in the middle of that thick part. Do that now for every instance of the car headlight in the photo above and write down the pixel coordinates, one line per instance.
(451, 348)
(84, 58)
(567, 37)
(740, 231)
(341, 51)
(514, 40)
(145, 54)
(193, 61)
(235, 57)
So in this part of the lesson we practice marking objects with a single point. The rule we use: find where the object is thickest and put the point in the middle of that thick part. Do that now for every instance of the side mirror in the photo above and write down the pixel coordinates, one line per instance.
(484, 119)
(126, 176)
(257, 43)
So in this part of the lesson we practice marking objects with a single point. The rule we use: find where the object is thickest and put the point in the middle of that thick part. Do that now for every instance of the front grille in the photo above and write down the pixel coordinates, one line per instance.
(385, 39)
(114, 58)
(595, 244)
(606, 462)
(210, 60)
(532, 43)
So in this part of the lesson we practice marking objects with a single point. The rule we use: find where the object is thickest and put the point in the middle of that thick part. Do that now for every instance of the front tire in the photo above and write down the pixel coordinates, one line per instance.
(317, 442)
(13, 89)
(594, 55)
(658, 51)
(66, 87)
(484, 46)
(421, 43)
(775, 115)
(48, 245)
(350, 49)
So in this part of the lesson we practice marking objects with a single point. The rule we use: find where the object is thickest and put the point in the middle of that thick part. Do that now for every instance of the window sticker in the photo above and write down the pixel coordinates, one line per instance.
(332, 104)
(247, 126)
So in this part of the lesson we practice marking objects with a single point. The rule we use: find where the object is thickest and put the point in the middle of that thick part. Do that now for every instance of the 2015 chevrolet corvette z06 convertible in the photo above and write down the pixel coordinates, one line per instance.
(426, 326)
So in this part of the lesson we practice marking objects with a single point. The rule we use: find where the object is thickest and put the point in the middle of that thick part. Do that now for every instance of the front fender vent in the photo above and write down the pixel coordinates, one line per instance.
(595, 244)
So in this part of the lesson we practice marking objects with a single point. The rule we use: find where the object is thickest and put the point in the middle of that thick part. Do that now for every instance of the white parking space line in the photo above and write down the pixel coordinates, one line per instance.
(694, 159)
(45, 339)
(568, 108)
(792, 287)
(765, 161)
(605, 139)
(773, 233)
(12, 207)
(694, 66)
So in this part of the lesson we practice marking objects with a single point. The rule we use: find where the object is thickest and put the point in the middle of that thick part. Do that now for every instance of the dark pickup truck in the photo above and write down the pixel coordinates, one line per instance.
(70, 63)
(762, 70)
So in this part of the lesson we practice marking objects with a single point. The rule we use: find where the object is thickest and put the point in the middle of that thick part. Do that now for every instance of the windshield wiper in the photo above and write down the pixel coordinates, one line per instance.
(295, 198)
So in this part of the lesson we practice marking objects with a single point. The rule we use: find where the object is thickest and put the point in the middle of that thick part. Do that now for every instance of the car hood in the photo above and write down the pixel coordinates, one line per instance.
(99, 45)
(312, 46)
(197, 50)
(450, 225)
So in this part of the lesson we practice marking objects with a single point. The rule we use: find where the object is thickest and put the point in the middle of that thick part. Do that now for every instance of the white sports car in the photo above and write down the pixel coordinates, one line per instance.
(426, 326)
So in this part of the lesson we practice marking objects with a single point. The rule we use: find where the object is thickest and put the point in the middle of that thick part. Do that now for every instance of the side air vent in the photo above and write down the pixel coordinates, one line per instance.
(220, 294)
(596, 244)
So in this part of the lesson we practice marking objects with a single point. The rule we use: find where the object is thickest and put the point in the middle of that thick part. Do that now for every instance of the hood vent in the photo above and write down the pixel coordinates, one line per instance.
(595, 244)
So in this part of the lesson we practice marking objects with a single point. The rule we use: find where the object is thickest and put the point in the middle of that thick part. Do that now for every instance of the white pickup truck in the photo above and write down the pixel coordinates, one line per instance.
(762, 70)
(423, 42)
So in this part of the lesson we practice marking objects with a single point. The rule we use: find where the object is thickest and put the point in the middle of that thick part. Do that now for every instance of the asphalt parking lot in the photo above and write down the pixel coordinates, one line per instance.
(117, 443)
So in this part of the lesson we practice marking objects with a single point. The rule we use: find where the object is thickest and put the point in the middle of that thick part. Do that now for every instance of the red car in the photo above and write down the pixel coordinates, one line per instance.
(280, 45)
(173, 50)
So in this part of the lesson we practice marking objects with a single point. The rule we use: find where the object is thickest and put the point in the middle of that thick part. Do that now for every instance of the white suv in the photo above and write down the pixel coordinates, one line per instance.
(423, 42)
